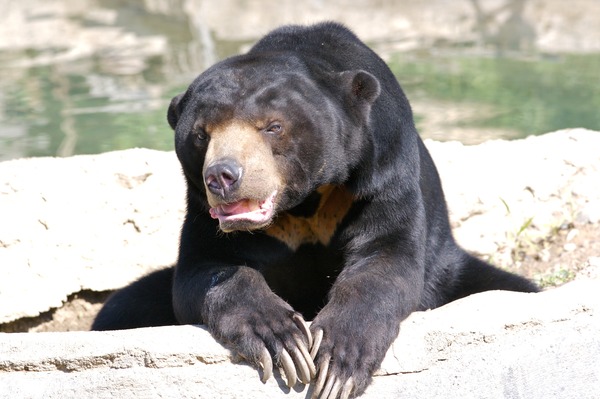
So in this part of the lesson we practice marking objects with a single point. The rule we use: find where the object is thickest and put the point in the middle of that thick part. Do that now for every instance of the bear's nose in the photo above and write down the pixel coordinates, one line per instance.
(223, 176)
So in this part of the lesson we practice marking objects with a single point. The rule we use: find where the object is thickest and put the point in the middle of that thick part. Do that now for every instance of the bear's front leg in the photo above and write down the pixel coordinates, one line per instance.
(353, 332)
(243, 313)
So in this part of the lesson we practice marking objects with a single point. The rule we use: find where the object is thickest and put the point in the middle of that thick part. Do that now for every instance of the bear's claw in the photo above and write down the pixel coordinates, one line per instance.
(288, 367)
(317, 343)
(347, 389)
(307, 371)
(295, 359)
(304, 328)
(267, 365)
(328, 387)
(323, 369)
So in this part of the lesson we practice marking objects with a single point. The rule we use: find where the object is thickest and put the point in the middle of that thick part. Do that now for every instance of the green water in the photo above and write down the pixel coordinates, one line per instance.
(57, 112)
(59, 99)
(60, 111)
(528, 96)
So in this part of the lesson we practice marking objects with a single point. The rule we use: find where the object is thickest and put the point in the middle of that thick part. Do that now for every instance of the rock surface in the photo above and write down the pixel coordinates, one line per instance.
(97, 222)
(84, 223)
(490, 345)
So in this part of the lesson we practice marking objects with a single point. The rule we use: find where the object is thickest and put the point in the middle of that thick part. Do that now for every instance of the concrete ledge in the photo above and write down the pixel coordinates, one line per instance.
(489, 345)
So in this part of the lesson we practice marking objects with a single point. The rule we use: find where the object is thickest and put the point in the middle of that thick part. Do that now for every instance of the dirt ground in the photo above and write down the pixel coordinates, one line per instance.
(77, 314)
(571, 252)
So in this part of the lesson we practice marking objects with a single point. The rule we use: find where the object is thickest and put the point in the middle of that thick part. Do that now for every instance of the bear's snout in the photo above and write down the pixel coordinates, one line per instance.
(241, 177)
(223, 177)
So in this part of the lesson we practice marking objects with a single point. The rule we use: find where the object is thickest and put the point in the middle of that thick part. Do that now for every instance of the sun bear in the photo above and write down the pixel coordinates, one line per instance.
(310, 196)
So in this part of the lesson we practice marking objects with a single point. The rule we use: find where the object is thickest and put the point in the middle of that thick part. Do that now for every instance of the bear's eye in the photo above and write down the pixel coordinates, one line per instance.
(274, 128)
(199, 134)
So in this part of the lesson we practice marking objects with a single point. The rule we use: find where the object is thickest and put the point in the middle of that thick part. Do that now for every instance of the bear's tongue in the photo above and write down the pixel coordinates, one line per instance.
(246, 209)
(240, 207)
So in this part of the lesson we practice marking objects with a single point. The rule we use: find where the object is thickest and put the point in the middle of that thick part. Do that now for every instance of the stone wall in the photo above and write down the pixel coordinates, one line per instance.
(88, 224)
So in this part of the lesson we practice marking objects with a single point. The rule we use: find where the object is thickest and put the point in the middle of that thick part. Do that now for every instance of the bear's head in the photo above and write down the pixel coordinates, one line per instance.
(257, 134)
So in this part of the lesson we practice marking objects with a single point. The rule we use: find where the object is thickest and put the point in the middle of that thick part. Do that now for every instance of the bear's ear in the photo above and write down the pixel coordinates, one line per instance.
(361, 86)
(174, 110)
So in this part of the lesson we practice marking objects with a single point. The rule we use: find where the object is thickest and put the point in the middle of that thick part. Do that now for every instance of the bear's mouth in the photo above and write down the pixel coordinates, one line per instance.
(245, 214)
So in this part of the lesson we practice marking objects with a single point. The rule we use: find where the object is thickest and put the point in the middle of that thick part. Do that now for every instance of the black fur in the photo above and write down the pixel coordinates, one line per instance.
(146, 302)
(392, 254)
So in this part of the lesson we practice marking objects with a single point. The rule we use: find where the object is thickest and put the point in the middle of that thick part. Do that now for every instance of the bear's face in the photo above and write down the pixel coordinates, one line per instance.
(256, 137)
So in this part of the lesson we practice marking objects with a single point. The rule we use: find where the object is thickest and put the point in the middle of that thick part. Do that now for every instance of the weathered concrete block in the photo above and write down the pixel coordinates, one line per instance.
(490, 345)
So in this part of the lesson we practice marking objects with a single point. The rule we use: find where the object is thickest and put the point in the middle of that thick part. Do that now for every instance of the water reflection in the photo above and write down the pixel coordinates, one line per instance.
(479, 98)
(85, 76)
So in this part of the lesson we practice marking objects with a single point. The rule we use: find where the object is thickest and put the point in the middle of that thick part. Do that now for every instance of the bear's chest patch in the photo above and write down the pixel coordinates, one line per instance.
(294, 231)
